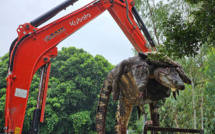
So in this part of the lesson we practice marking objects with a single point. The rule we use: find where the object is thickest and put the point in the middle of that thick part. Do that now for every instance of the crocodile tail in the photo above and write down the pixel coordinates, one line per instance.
(102, 105)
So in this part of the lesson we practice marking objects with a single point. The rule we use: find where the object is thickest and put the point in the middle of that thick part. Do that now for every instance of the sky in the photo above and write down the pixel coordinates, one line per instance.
(101, 36)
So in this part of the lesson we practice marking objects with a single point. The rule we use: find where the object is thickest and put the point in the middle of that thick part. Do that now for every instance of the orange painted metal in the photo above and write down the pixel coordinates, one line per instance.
(40, 45)
(133, 33)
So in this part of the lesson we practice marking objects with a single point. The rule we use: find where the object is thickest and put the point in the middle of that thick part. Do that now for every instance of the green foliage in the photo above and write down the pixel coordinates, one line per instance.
(185, 35)
(155, 12)
(209, 91)
(80, 121)
(3, 74)
(180, 40)
(179, 27)
(137, 127)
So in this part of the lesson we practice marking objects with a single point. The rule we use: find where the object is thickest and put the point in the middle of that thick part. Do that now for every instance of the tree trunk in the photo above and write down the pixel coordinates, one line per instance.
(193, 96)
(176, 120)
(194, 104)
(153, 23)
(202, 112)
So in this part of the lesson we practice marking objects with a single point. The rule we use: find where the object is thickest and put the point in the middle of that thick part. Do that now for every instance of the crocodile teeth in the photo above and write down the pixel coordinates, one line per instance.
(177, 92)
(173, 89)
(174, 94)
(163, 99)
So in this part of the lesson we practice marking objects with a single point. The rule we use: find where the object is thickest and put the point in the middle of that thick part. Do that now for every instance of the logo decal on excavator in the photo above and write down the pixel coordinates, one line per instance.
(79, 20)
(17, 130)
(54, 34)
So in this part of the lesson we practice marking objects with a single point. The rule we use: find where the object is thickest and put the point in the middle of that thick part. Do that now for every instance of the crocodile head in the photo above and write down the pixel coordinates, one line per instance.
(171, 78)
(168, 73)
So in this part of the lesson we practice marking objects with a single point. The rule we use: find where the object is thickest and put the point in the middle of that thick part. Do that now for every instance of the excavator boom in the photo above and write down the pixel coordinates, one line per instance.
(34, 47)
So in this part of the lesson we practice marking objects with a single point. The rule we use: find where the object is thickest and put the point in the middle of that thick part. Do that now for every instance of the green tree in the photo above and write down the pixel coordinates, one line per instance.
(3, 74)
(80, 120)
(155, 12)
(209, 92)
(185, 35)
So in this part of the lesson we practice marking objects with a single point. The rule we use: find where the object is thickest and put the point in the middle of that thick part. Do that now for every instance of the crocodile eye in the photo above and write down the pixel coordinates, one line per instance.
(168, 70)
(165, 71)
(139, 66)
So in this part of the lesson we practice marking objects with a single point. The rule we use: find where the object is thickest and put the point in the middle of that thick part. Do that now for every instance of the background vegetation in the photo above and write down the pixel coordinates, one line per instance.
(183, 29)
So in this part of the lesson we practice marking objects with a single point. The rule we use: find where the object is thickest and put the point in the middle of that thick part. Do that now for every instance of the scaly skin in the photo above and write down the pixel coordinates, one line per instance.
(138, 81)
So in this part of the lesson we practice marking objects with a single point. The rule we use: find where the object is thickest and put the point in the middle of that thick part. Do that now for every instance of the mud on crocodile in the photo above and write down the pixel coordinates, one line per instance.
(136, 81)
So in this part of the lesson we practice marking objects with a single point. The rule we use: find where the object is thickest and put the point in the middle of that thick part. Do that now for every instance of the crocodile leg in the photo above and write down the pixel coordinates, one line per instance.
(154, 115)
(124, 110)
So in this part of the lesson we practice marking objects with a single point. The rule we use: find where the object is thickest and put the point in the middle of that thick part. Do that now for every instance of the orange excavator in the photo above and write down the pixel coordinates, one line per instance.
(35, 46)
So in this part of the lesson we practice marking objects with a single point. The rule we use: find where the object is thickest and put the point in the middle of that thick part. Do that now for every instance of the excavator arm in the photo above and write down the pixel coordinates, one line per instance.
(34, 47)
